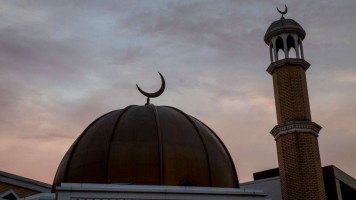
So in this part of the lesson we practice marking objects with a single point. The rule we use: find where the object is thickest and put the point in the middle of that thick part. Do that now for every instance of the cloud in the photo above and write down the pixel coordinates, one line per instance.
(65, 63)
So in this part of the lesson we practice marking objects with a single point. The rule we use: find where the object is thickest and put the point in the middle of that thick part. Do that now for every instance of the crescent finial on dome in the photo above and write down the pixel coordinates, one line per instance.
(154, 94)
(284, 12)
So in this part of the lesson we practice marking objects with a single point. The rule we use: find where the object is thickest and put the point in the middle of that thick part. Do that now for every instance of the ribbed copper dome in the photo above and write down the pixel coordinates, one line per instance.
(148, 145)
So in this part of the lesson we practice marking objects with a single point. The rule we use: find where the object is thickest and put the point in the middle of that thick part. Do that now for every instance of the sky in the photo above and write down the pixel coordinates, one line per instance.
(65, 63)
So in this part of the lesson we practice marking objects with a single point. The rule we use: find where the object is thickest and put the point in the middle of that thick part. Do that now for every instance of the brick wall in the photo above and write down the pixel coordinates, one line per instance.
(299, 167)
(298, 153)
(291, 94)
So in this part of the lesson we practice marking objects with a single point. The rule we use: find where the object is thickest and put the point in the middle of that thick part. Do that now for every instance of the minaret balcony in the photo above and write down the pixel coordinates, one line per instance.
(287, 62)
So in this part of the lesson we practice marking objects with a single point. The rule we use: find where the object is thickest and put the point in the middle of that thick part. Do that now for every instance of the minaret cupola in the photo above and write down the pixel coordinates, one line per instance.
(285, 35)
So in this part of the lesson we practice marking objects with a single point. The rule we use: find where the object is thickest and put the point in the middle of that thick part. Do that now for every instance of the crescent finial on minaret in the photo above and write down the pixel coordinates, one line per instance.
(284, 12)
(154, 94)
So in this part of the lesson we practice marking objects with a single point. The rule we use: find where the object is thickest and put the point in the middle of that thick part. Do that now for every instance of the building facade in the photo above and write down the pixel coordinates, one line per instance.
(338, 184)
(13, 186)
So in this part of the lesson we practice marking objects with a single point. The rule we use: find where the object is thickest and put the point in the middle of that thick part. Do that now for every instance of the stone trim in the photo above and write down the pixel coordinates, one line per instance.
(41, 196)
(287, 61)
(7, 193)
(295, 127)
(86, 191)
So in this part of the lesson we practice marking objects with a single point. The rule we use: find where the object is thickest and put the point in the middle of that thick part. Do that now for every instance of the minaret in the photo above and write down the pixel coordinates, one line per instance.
(296, 134)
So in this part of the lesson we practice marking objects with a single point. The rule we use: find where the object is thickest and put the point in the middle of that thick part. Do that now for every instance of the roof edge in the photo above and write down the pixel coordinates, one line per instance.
(24, 182)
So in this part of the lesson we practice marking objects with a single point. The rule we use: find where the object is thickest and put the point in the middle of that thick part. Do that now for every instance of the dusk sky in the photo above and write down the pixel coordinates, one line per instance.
(65, 63)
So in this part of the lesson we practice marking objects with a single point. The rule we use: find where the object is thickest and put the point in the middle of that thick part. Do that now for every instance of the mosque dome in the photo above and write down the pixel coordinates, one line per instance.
(148, 145)
(283, 26)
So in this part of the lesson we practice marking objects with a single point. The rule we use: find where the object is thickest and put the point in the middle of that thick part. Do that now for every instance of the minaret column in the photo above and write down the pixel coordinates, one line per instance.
(296, 135)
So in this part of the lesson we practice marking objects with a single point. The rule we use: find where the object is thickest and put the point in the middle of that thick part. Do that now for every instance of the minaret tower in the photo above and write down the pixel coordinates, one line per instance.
(296, 134)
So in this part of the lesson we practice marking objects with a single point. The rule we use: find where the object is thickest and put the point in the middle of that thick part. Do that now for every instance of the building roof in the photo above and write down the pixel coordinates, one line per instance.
(13, 186)
(338, 184)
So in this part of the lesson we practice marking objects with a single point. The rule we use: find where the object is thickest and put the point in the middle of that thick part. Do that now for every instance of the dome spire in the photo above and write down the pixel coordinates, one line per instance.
(155, 94)
(284, 12)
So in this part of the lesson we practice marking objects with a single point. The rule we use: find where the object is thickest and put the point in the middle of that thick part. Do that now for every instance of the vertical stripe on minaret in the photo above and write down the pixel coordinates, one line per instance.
(295, 135)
